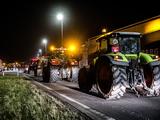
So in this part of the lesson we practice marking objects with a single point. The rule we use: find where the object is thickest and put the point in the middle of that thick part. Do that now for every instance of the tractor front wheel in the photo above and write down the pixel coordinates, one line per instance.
(110, 79)
(46, 73)
(84, 82)
(152, 78)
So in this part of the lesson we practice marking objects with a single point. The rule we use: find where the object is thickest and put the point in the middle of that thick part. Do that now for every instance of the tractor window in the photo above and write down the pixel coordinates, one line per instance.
(104, 44)
(129, 44)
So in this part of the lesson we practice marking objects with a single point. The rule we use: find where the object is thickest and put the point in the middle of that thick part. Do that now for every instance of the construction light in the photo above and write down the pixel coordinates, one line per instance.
(52, 48)
(72, 48)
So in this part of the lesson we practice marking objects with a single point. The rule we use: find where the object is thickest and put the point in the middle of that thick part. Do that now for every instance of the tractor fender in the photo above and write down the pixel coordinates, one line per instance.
(147, 59)
(112, 61)
(154, 63)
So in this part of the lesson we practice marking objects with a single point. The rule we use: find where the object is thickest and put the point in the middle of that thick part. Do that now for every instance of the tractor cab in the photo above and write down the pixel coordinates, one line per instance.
(124, 42)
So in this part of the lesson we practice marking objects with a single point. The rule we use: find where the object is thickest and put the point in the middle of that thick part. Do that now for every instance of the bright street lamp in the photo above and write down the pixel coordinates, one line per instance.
(44, 41)
(40, 52)
(60, 18)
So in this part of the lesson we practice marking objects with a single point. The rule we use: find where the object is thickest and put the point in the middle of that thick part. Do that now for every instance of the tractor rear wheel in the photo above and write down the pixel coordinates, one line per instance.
(46, 73)
(110, 79)
(84, 82)
(35, 71)
(152, 78)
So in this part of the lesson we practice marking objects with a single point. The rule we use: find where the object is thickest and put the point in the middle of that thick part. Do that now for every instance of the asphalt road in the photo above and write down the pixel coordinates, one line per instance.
(129, 107)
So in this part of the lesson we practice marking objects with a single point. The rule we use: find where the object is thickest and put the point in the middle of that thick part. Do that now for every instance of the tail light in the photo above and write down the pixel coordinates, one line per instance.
(55, 62)
(74, 63)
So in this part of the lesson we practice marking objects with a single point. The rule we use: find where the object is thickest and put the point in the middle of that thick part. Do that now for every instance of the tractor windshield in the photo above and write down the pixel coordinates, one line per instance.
(129, 44)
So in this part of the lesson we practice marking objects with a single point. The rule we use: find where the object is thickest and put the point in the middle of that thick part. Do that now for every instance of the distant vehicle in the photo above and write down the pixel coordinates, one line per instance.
(1, 65)
(33, 65)
(59, 62)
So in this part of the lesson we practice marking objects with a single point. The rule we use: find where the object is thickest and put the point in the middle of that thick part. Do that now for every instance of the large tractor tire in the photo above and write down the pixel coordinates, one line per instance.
(55, 73)
(35, 71)
(29, 69)
(68, 73)
(46, 74)
(111, 80)
(74, 77)
(84, 82)
(152, 79)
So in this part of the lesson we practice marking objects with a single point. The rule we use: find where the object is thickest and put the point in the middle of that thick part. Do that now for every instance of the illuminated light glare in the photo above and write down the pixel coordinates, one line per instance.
(60, 16)
(4, 64)
(34, 59)
(75, 41)
(152, 26)
(156, 56)
(62, 51)
(72, 63)
(72, 48)
(116, 57)
(55, 62)
(104, 30)
(40, 50)
(52, 48)
(44, 41)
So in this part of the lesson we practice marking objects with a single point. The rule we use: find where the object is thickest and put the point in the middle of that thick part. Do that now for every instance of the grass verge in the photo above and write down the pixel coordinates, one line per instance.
(20, 100)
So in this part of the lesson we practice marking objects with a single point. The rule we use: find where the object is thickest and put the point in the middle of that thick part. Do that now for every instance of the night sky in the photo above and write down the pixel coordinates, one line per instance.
(25, 23)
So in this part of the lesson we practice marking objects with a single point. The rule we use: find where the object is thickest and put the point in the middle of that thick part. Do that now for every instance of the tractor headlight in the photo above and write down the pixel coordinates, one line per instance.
(155, 57)
(118, 58)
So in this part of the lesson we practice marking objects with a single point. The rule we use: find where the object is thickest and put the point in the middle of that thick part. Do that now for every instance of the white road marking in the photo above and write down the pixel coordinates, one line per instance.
(44, 86)
(84, 106)
(68, 98)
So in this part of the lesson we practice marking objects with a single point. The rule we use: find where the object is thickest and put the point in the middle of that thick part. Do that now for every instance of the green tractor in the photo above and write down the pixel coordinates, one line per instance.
(118, 64)
(59, 66)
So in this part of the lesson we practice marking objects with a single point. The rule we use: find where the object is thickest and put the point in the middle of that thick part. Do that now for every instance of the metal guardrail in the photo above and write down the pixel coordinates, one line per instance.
(14, 72)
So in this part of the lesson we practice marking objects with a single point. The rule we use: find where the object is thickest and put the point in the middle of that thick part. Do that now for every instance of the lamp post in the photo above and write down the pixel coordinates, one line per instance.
(44, 41)
(60, 18)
